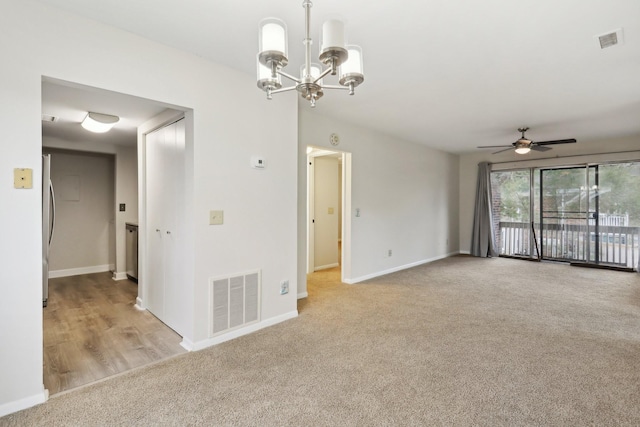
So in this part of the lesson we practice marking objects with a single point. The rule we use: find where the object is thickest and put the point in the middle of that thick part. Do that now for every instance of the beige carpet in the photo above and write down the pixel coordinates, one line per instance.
(462, 341)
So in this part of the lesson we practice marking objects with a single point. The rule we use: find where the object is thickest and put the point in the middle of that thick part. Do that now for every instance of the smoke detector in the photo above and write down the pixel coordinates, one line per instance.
(610, 39)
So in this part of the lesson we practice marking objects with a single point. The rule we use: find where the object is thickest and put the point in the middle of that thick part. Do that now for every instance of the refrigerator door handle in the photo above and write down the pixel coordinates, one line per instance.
(53, 212)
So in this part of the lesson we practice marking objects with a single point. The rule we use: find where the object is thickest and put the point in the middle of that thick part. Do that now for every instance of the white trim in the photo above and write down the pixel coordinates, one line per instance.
(187, 344)
(119, 276)
(302, 295)
(81, 270)
(139, 305)
(464, 252)
(326, 267)
(399, 268)
(237, 332)
(27, 402)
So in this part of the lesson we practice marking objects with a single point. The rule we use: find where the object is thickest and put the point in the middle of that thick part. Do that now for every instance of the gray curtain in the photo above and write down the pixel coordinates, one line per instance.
(483, 240)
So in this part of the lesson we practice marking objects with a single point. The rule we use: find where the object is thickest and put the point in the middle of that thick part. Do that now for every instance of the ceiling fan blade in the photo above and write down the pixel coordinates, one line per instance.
(536, 147)
(495, 146)
(558, 141)
(500, 151)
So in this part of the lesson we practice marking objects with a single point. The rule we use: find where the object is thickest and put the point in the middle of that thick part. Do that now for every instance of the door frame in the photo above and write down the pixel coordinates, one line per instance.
(345, 201)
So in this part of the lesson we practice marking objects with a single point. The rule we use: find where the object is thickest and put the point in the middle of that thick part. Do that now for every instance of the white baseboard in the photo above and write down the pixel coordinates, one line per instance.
(464, 252)
(302, 295)
(191, 346)
(399, 268)
(139, 305)
(187, 344)
(326, 267)
(119, 275)
(76, 271)
(27, 402)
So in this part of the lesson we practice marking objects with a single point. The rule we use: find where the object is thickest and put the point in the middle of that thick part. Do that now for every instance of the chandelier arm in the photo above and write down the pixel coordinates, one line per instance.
(324, 73)
(335, 87)
(289, 76)
(284, 89)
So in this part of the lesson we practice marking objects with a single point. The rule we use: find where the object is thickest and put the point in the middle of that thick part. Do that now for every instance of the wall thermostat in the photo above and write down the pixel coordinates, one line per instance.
(258, 162)
(334, 139)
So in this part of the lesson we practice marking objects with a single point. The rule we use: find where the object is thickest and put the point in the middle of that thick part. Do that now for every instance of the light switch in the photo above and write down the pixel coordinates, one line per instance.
(330, 211)
(23, 178)
(216, 217)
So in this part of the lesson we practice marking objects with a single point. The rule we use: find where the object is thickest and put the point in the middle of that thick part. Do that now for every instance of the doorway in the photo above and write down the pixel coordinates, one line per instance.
(110, 335)
(328, 211)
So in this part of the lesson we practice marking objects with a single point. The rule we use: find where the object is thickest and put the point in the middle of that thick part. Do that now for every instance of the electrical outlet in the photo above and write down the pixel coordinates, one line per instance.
(389, 253)
(284, 287)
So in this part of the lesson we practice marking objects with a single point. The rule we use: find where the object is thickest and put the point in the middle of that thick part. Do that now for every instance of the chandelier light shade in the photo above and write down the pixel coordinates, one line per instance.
(273, 37)
(332, 36)
(334, 54)
(99, 123)
(265, 78)
(352, 70)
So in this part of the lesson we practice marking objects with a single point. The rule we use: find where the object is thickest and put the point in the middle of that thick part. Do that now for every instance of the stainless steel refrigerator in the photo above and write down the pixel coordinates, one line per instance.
(48, 222)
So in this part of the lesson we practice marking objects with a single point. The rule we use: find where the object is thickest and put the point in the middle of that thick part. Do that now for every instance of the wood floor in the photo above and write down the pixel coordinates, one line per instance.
(92, 331)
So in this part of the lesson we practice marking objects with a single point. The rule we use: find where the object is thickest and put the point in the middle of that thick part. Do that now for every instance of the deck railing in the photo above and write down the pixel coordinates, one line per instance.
(617, 245)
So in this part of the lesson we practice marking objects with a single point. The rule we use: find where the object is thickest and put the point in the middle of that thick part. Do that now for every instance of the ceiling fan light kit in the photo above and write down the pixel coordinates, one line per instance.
(522, 146)
(341, 59)
(525, 145)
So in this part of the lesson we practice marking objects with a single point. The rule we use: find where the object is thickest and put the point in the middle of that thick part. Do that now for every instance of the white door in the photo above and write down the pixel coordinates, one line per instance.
(155, 222)
(327, 212)
(175, 225)
(165, 222)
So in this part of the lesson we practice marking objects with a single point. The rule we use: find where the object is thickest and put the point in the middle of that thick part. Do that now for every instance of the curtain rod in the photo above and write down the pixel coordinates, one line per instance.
(567, 157)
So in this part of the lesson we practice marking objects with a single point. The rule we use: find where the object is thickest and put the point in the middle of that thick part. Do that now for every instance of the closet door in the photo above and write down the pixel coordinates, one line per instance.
(166, 223)
(175, 224)
(155, 166)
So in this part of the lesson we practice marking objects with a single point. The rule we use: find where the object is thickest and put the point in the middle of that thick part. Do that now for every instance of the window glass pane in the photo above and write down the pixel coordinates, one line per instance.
(511, 211)
(614, 226)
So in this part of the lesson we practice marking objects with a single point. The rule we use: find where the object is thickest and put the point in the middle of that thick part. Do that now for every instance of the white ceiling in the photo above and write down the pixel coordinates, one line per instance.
(448, 74)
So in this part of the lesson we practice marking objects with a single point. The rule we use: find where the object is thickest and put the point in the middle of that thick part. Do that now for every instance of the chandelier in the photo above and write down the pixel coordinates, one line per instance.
(341, 59)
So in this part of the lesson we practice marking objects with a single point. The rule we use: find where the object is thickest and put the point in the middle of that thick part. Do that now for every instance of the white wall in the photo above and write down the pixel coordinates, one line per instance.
(407, 195)
(84, 216)
(561, 155)
(259, 230)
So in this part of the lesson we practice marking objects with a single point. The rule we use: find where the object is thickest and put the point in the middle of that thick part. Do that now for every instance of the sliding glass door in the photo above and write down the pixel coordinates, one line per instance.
(615, 219)
(565, 210)
(582, 214)
(511, 192)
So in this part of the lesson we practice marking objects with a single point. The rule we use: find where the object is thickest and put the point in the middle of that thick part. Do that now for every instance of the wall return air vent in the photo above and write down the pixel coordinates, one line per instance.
(234, 302)
(612, 38)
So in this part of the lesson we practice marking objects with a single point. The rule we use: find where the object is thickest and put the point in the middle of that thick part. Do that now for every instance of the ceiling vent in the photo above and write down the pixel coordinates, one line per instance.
(49, 119)
(610, 39)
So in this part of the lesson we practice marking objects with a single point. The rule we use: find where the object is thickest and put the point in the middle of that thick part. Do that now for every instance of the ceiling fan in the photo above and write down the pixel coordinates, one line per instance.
(524, 145)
